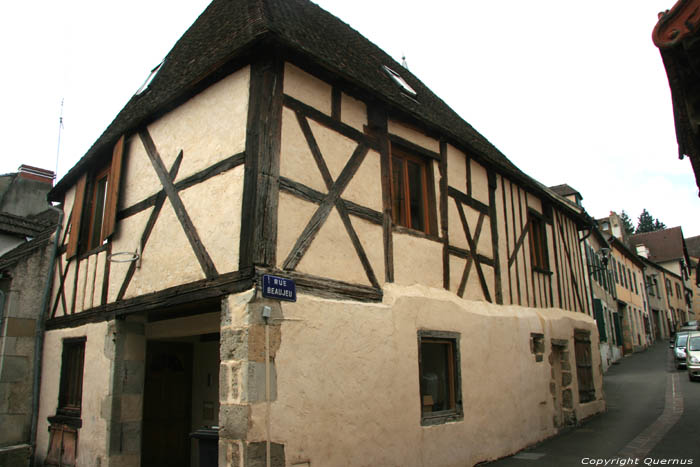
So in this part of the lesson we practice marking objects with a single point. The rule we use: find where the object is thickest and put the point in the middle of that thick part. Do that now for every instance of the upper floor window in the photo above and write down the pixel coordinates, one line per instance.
(411, 186)
(538, 242)
(636, 289)
(95, 205)
(678, 290)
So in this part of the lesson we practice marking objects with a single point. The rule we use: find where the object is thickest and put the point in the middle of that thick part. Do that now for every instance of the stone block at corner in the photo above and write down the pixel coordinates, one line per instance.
(233, 420)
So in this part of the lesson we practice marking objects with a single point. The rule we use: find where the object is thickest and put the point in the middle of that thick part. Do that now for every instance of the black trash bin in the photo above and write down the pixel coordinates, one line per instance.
(208, 441)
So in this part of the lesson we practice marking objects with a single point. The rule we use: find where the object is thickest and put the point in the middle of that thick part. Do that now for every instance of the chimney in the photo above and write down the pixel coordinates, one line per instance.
(643, 251)
(35, 173)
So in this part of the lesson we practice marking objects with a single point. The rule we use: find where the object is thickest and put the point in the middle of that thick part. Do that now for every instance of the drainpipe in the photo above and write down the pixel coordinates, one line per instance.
(39, 335)
(2, 329)
(266, 316)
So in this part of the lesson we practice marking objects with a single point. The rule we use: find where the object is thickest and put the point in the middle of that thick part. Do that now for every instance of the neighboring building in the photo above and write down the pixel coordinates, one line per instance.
(667, 248)
(613, 225)
(569, 193)
(442, 296)
(22, 204)
(27, 225)
(677, 35)
(600, 280)
(693, 245)
(659, 309)
(603, 288)
(628, 270)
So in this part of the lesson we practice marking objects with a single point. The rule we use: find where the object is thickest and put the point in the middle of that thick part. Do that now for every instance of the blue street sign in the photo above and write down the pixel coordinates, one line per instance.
(279, 288)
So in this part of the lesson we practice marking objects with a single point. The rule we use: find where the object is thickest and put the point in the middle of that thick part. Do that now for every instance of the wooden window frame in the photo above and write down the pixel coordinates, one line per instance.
(70, 390)
(455, 412)
(539, 250)
(96, 209)
(427, 191)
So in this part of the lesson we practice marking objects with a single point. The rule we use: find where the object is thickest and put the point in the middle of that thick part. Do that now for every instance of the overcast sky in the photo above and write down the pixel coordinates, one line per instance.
(571, 92)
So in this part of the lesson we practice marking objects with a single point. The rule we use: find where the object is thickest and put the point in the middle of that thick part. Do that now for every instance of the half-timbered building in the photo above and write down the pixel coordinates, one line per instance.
(442, 315)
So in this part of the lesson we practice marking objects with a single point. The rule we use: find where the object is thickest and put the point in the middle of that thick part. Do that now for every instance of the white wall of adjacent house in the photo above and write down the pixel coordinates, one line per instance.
(352, 369)
(96, 401)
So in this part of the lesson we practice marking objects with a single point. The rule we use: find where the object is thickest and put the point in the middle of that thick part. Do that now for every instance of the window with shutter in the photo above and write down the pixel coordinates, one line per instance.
(94, 214)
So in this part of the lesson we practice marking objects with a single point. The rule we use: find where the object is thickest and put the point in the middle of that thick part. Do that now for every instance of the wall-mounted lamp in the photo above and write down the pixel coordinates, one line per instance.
(604, 257)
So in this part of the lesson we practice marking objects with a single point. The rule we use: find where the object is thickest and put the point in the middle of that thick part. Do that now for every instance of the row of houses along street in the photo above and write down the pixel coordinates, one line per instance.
(423, 290)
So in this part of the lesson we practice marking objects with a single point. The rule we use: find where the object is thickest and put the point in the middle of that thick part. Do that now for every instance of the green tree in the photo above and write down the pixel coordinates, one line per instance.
(647, 223)
(627, 223)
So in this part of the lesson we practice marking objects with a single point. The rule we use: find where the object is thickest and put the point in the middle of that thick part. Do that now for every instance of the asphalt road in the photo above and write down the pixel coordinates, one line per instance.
(652, 418)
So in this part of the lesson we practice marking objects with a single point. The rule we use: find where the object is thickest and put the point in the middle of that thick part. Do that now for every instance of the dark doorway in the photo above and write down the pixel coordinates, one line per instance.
(167, 405)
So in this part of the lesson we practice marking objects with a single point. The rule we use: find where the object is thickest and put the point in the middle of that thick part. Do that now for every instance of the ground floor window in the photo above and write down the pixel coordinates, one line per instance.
(584, 365)
(440, 386)
(70, 392)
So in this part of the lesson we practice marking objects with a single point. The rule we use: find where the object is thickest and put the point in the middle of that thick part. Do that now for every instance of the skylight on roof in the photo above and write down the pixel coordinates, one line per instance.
(400, 81)
(150, 77)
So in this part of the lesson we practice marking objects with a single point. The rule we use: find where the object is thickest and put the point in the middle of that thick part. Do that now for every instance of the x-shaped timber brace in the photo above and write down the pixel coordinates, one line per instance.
(471, 256)
(335, 190)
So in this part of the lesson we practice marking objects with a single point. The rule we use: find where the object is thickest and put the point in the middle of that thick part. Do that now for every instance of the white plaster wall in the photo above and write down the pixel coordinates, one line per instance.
(365, 188)
(92, 437)
(413, 135)
(456, 169)
(215, 209)
(307, 88)
(167, 260)
(351, 370)
(208, 128)
(417, 261)
(353, 112)
(480, 182)
(127, 238)
(296, 161)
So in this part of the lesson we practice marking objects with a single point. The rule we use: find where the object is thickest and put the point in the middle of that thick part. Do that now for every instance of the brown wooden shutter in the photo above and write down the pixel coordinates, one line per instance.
(76, 217)
(110, 213)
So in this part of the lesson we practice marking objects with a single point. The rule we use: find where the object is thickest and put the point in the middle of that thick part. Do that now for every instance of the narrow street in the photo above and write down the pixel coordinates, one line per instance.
(653, 418)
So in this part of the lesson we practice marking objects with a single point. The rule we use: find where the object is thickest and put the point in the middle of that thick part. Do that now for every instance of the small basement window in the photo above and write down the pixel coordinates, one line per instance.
(405, 87)
(440, 387)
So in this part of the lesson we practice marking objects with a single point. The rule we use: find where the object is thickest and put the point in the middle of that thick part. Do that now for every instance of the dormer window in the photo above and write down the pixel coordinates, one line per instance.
(405, 87)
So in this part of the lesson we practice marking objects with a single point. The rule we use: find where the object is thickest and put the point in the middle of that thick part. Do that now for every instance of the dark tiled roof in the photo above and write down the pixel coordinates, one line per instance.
(565, 190)
(663, 245)
(693, 245)
(23, 226)
(229, 29)
(26, 249)
(678, 38)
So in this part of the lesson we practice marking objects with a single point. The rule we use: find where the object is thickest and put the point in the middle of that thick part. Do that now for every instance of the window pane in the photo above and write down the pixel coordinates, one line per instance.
(98, 213)
(436, 376)
(71, 383)
(398, 202)
(415, 188)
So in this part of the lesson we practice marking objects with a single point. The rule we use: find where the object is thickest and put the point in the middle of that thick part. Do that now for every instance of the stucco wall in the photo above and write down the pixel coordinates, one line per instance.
(347, 380)
(23, 301)
(93, 435)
